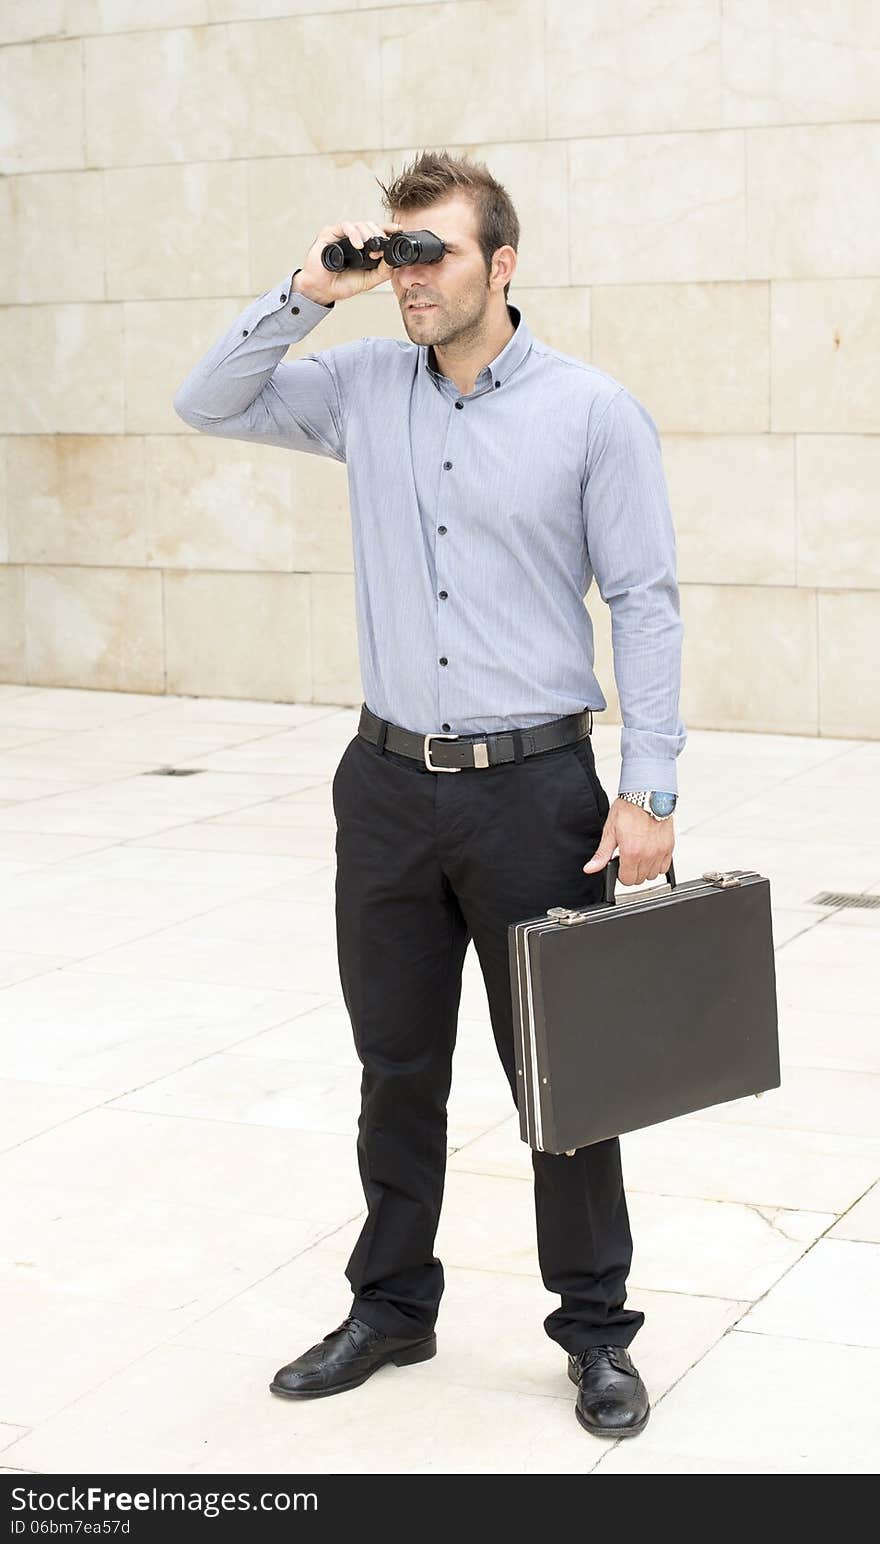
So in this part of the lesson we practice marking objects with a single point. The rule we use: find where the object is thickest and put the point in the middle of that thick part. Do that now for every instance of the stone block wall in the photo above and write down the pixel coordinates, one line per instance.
(697, 184)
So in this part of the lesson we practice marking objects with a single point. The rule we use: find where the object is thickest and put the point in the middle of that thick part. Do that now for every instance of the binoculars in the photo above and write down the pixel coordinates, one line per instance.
(401, 248)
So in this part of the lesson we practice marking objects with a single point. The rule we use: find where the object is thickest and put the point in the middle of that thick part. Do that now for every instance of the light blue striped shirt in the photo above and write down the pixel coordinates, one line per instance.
(478, 522)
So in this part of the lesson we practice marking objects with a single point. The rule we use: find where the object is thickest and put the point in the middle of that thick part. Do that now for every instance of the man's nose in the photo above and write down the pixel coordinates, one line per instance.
(409, 272)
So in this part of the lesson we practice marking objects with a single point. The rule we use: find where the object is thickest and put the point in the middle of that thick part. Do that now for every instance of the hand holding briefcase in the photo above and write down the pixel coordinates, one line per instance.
(633, 1013)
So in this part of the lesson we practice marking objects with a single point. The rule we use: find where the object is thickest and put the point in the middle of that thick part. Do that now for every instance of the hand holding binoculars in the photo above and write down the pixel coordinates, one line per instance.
(398, 250)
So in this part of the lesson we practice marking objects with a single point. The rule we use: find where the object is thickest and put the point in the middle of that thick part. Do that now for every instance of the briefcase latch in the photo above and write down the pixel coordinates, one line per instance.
(566, 914)
(715, 877)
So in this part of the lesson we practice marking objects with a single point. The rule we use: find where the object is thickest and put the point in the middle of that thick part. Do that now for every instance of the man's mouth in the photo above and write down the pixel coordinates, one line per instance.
(420, 306)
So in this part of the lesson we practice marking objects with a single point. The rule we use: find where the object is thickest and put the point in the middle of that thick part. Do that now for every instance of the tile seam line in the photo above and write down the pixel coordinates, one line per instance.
(830, 916)
(115, 975)
(573, 137)
(592, 285)
(805, 1340)
(779, 782)
(166, 1340)
(145, 841)
(802, 1256)
(297, 1255)
(733, 1328)
(758, 1207)
(110, 1102)
(351, 9)
(129, 770)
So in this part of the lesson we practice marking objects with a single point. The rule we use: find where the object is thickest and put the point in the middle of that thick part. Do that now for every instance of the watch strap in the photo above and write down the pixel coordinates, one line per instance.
(642, 798)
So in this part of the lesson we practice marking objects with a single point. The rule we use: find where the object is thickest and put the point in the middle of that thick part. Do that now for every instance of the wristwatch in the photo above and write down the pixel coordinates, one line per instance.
(660, 805)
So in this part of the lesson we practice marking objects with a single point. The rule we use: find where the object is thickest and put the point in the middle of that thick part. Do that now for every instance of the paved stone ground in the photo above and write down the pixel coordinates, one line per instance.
(179, 1100)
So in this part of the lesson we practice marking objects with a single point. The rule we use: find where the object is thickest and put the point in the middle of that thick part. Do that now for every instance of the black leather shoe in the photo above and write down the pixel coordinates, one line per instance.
(349, 1355)
(612, 1399)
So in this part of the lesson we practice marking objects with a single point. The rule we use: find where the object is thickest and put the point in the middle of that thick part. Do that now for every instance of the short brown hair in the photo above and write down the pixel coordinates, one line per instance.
(435, 174)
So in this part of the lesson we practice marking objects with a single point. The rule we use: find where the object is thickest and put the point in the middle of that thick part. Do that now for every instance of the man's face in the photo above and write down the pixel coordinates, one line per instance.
(455, 290)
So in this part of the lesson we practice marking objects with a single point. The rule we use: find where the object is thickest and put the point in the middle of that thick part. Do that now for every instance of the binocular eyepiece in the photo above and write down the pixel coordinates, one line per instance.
(398, 250)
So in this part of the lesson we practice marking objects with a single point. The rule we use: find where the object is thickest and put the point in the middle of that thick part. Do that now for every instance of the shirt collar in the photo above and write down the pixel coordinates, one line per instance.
(503, 365)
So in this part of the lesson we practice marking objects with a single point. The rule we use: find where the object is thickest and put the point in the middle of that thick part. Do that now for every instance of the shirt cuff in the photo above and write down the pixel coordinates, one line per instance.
(660, 776)
(287, 313)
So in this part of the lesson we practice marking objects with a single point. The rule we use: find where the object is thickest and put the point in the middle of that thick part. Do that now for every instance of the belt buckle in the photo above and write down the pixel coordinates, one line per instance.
(481, 752)
(428, 762)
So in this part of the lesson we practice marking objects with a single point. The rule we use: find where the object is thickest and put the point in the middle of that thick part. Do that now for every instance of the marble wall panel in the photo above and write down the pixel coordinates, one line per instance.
(647, 208)
(211, 503)
(336, 670)
(838, 511)
(238, 635)
(825, 340)
(41, 88)
(52, 247)
(812, 201)
(632, 68)
(94, 627)
(177, 231)
(849, 681)
(697, 355)
(749, 658)
(13, 657)
(491, 85)
(63, 369)
(732, 501)
(76, 499)
(796, 61)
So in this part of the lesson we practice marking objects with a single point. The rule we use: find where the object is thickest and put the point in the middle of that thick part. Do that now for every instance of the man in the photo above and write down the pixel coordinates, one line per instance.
(490, 478)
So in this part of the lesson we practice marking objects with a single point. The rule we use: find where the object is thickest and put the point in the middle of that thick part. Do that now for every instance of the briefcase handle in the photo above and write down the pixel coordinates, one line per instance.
(612, 869)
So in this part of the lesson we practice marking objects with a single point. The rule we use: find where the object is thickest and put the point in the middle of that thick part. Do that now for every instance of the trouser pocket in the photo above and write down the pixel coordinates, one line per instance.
(582, 755)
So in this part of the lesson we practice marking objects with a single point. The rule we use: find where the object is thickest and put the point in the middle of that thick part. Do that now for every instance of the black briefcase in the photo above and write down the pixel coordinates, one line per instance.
(632, 1012)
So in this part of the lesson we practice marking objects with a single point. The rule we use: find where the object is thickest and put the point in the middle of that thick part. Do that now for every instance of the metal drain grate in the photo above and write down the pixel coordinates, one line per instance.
(841, 898)
(175, 772)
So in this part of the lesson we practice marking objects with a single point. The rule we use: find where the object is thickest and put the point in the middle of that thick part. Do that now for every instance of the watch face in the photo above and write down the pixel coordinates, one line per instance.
(663, 803)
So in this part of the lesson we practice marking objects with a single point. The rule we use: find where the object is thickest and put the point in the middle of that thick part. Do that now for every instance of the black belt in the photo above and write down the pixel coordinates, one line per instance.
(454, 753)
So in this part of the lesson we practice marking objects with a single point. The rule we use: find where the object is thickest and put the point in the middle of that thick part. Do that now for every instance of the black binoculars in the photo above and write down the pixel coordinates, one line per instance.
(398, 250)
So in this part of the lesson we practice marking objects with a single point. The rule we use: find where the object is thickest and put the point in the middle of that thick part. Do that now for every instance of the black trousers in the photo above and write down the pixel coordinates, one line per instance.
(427, 861)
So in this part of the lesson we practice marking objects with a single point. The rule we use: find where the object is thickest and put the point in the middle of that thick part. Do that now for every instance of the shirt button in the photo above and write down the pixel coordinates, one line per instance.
(497, 383)
(447, 466)
(444, 594)
(459, 404)
(443, 660)
(245, 333)
(442, 530)
(446, 726)
(295, 310)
